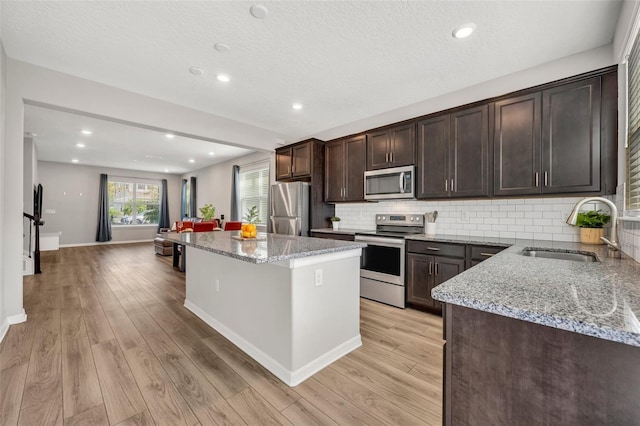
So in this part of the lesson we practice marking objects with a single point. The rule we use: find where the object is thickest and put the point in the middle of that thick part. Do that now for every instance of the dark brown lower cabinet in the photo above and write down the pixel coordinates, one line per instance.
(504, 371)
(424, 272)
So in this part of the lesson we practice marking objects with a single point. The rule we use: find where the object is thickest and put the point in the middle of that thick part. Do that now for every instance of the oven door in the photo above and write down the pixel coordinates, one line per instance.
(382, 259)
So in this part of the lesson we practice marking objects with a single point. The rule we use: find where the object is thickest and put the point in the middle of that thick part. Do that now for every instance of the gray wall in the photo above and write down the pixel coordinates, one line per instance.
(3, 282)
(72, 191)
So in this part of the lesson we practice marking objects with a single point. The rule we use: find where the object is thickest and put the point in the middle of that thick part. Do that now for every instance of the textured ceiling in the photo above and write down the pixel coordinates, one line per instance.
(343, 60)
(119, 145)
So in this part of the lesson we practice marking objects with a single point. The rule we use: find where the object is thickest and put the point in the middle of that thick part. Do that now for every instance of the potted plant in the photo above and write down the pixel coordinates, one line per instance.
(591, 226)
(207, 212)
(335, 222)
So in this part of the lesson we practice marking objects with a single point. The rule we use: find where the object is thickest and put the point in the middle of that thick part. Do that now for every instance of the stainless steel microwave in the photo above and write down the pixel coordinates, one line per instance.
(390, 184)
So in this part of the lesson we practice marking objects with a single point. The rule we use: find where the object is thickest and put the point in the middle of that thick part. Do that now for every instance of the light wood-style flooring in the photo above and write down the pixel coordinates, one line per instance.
(108, 342)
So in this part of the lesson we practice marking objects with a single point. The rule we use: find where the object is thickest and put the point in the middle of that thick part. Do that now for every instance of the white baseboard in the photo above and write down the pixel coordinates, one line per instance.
(3, 329)
(96, 243)
(13, 319)
(291, 378)
(17, 319)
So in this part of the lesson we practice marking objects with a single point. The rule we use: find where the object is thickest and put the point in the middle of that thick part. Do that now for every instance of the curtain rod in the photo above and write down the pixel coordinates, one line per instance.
(133, 177)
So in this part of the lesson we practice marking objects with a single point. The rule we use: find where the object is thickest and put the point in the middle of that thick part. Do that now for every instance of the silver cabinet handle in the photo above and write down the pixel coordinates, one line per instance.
(487, 254)
(433, 248)
(546, 178)
(344, 192)
(446, 185)
(293, 168)
(437, 268)
(402, 188)
(537, 179)
(452, 187)
(391, 156)
(430, 268)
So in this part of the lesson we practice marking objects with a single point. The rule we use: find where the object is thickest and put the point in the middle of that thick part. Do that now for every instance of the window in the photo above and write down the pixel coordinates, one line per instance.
(133, 201)
(633, 124)
(254, 190)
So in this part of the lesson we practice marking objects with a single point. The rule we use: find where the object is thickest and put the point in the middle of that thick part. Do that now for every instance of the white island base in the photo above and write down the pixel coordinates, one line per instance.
(294, 317)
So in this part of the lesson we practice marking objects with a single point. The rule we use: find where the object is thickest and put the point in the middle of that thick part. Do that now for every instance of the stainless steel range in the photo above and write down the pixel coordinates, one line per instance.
(382, 262)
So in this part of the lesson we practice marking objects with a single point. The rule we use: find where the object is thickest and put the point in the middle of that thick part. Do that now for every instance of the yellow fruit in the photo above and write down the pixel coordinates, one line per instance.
(243, 228)
(246, 234)
(251, 227)
(254, 233)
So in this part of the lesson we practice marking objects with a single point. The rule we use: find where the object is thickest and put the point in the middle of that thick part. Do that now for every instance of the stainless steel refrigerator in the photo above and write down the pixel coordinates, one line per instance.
(289, 212)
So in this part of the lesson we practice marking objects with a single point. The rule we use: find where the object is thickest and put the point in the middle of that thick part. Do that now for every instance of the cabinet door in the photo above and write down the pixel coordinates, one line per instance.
(420, 276)
(444, 269)
(301, 160)
(354, 166)
(283, 163)
(516, 145)
(402, 145)
(334, 171)
(571, 137)
(433, 157)
(469, 147)
(378, 150)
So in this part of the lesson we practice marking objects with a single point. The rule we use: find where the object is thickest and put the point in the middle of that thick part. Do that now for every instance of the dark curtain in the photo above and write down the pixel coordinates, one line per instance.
(104, 221)
(235, 193)
(183, 203)
(192, 193)
(163, 221)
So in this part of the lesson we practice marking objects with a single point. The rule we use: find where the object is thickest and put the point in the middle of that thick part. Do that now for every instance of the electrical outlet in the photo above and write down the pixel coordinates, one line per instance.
(49, 211)
(217, 285)
(464, 215)
(318, 277)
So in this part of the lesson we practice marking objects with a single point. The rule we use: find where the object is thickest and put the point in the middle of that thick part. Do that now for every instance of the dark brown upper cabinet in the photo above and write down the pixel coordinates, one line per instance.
(517, 150)
(293, 161)
(392, 147)
(548, 142)
(571, 137)
(344, 169)
(453, 154)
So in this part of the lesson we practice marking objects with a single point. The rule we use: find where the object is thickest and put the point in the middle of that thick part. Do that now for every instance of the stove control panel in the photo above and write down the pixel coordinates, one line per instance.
(400, 219)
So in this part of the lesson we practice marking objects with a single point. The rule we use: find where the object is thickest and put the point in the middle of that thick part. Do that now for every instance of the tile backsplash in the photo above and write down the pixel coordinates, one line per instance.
(529, 218)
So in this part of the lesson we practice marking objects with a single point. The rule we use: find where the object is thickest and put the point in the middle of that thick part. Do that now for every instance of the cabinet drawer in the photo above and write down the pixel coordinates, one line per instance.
(484, 252)
(436, 249)
(333, 236)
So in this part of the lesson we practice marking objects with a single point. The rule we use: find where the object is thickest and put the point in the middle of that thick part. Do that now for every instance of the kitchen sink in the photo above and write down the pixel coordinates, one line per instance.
(577, 256)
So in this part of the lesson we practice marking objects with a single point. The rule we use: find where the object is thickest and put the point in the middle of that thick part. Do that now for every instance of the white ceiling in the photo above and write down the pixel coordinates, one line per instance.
(111, 144)
(343, 60)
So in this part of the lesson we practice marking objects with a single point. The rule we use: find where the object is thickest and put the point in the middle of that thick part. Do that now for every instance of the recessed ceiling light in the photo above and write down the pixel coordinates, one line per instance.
(258, 11)
(80, 145)
(297, 106)
(196, 71)
(464, 31)
(170, 136)
(221, 47)
(166, 170)
(75, 160)
(212, 153)
(191, 160)
(223, 77)
(86, 132)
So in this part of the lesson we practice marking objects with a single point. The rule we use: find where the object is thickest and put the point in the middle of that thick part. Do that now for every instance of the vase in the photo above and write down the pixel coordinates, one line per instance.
(336, 225)
(591, 235)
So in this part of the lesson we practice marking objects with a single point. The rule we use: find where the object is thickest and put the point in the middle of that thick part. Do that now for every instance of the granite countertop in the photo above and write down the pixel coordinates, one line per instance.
(600, 299)
(268, 248)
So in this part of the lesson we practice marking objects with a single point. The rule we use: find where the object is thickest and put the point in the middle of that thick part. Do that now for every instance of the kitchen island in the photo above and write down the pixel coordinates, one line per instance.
(542, 341)
(291, 303)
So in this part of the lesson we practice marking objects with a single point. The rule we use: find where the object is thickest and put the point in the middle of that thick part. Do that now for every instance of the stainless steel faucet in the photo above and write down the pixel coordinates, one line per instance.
(614, 248)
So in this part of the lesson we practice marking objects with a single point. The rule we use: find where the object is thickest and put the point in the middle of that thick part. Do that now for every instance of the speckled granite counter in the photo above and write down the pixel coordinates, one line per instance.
(271, 248)
(599, 299)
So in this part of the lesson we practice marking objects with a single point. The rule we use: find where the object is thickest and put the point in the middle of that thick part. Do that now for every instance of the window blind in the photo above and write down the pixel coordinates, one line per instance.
(633, 146)
(254, 191)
